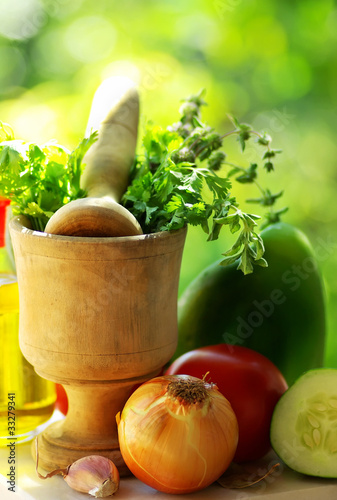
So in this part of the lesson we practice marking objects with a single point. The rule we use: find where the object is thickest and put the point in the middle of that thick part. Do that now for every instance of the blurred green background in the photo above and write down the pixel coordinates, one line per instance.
(272, 64)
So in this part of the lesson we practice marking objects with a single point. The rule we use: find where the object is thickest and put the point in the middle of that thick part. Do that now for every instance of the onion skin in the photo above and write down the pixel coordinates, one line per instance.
(173, 445)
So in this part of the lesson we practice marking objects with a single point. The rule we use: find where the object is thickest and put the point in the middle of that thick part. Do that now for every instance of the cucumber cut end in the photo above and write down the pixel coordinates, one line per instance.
(304, 424)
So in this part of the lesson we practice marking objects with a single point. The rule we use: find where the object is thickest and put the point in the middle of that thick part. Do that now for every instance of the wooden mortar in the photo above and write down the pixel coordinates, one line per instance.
(98, 315)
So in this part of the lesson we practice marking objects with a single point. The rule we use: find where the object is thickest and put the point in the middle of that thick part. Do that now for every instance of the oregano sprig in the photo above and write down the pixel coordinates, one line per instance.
(177, 179)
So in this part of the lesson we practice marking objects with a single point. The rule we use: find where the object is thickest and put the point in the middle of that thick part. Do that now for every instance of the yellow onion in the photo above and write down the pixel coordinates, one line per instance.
(177, 433)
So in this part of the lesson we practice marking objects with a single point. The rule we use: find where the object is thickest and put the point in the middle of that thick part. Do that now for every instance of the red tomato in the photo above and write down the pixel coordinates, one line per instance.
(250, 382)
(61, 399)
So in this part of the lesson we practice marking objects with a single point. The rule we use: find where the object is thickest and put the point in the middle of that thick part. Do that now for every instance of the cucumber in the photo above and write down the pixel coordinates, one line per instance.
(304, 424)
(279, 311)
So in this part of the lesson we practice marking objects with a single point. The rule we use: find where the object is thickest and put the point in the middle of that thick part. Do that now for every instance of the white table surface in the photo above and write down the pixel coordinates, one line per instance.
(284, 485)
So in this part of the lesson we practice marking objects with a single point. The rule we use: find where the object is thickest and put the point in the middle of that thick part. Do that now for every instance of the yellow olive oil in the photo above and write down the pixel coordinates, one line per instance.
(26, 399)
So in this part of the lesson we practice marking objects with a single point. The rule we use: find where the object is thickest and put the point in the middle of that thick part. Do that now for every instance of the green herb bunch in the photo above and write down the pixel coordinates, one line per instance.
(180, 177)
(176, 181)
(39, 179)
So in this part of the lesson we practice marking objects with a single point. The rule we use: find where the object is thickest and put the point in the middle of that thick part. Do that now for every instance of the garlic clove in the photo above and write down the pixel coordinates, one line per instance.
(105, 490)
(95, 475)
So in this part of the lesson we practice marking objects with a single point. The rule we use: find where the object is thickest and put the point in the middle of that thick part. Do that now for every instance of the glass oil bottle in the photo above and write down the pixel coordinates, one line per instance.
(26, 399)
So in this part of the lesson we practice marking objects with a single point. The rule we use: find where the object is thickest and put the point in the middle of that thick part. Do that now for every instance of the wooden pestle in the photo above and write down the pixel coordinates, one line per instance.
(107, 166)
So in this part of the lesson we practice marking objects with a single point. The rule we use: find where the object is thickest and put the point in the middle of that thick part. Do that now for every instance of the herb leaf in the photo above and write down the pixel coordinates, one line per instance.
(40, 179)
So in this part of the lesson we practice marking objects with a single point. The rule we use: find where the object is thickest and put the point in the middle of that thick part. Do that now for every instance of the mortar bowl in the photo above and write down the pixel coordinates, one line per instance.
(99, 316)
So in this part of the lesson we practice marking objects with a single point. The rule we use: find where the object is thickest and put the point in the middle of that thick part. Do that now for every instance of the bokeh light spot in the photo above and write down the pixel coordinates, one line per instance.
(290, 76)
(196, 31)
(21, 19)
(286, 77)
(265, 38)
(90, 39)
(12, 68)
(50, 56)
(36, 121)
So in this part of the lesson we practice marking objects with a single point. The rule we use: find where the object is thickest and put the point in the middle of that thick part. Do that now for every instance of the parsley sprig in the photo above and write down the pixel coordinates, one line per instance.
(176, 181)
(39, 179)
